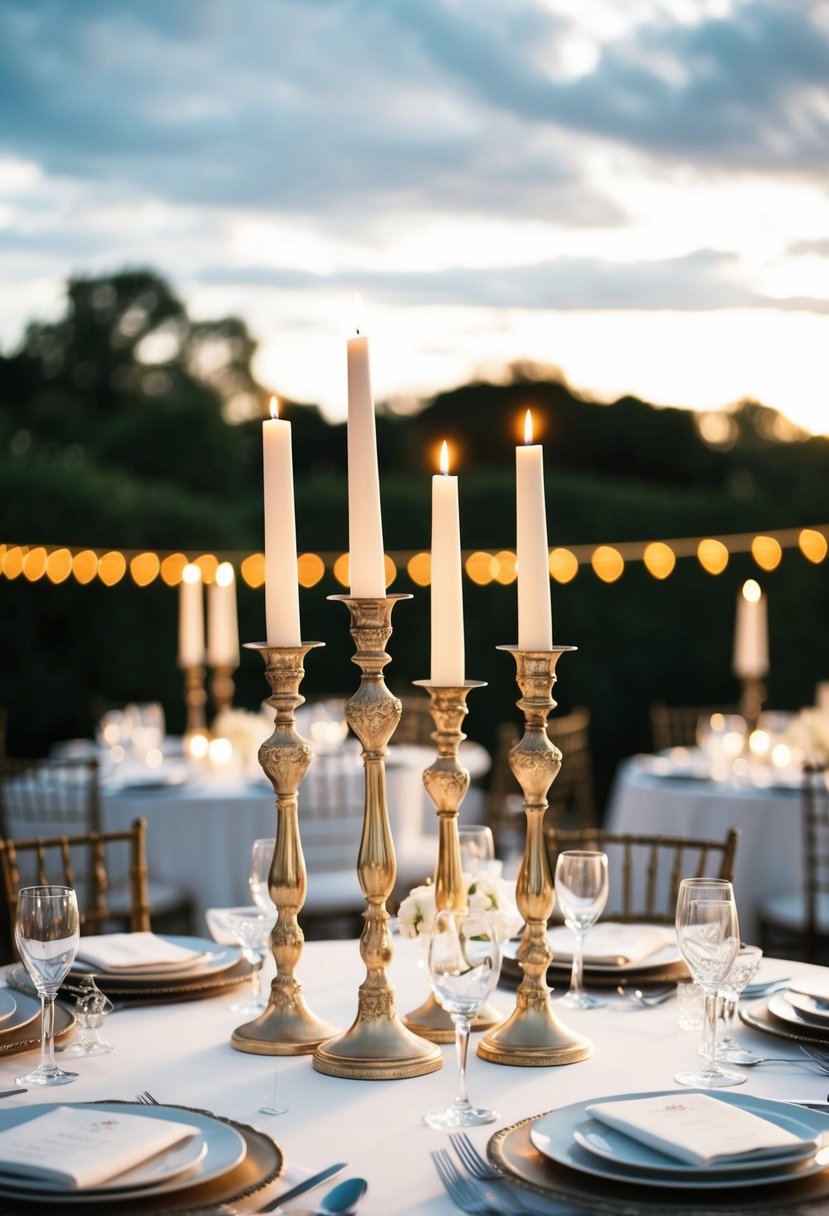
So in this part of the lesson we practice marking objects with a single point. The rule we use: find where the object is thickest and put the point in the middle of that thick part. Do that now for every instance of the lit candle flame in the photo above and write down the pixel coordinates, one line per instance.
(274, 407)
(751, 591)
(444, 458)
(528, 427)
(224, 574)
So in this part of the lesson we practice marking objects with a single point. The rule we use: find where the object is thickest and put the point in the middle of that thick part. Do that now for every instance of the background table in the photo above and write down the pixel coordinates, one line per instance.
(200, 832)
(181, 1054)
(769, 851)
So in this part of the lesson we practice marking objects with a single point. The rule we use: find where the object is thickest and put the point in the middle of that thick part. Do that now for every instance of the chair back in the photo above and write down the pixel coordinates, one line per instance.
(570, 797)
(40, 797)
(815, 814)
(676, 725)
(645, 871)
(84, 862)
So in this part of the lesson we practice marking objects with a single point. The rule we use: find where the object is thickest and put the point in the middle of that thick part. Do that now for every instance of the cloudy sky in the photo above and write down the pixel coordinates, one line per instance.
(635, 192)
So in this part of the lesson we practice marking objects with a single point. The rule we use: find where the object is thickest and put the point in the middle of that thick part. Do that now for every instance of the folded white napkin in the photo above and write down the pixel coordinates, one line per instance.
(612, 944)
(135, 952)
(75, 1148)
(698, 1129)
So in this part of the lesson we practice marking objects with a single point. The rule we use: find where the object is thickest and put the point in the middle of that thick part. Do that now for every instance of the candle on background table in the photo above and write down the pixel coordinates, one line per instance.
(447, 592)
(535, 623)
(190, 618)
(751, 638)
(222, 624)
(365, 526)
(281, 581)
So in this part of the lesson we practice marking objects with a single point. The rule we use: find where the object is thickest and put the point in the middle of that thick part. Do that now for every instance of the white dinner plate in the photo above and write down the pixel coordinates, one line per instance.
(218, 1149)
(809, 1007)
(8, 1005)
(554, 1136)
(780, 1007)
(150, 1173)
(215, 958)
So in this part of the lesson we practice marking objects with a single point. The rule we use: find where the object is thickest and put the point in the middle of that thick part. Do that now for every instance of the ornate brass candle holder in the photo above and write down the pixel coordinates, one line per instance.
(195, 703)
(377, 1046)
(285, 1027)
(222, 688)
(752, 699)
(532, 1035)
(447, 782)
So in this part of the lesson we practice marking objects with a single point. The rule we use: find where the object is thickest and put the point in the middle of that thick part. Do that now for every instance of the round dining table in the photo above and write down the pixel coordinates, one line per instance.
(181, 1054)
(655, 795)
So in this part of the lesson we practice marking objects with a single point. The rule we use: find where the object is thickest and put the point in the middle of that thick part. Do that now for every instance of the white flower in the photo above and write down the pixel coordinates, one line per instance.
(245, 730)
(808, 733)
(485, 892)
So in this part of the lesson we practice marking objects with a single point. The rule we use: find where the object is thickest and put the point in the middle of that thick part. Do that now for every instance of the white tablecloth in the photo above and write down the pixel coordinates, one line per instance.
(181, 1054)
(769, 852)
(200, 832)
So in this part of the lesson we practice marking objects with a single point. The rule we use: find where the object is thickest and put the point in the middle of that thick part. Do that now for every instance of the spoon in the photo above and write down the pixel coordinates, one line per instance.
(341, 1200)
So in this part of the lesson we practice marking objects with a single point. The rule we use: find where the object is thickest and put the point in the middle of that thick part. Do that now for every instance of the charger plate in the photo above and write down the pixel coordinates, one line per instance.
(21, 1032)
(558, 974)
(18, 978)
(247, 1183)
(783, 1022)
(514, 1153)
(214, 958)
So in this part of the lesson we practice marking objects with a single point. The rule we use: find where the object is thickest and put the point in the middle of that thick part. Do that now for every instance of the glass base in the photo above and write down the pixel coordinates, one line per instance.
(459, 1115)
(100, 1048)
(47, 1076)
(581, 1000)
(710, 1078)
(249, 1009)
(733, 1053)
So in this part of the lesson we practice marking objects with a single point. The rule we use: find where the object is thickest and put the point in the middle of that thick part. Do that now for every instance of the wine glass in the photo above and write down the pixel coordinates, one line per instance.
(708, 938)
(477, 847)
(261, 856)
(464, 964)
(743, 970)
(581, 890)
(253, 931)
(46, 935)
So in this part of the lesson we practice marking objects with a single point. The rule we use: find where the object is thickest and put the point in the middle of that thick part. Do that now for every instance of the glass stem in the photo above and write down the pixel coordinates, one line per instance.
(728, 1006)
(256, 977)
(461, 1049)
(577, 972)
(709, 1031)
(47, 1032)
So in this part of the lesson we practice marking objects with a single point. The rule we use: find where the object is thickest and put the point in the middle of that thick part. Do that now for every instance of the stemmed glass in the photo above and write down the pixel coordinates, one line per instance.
(477, 847)
(46, 935)
(253, 930)
(581, 890)
(261, 856)
(743, 970)
(464, 964)
(708, 938)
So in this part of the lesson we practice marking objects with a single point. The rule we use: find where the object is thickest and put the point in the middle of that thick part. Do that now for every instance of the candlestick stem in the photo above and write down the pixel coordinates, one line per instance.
(377, 1046)
(752, 699)
(195, 702)
(533, 1035)
(286, 1027)
(222, 687)
(447, 782)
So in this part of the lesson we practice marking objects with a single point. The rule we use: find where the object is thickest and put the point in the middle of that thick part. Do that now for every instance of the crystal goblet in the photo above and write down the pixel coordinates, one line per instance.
(581, 892)
(743, 970)
(464, 964)
(708, 938)
(252, 929)
(46, 934)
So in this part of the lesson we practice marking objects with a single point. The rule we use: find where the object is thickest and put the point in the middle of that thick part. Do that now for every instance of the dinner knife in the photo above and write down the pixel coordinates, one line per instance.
(306, 1185)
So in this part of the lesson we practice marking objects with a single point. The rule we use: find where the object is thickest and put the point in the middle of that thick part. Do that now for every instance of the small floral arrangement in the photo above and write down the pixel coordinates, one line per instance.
(245, 730)
(808, 733)
(485, 892)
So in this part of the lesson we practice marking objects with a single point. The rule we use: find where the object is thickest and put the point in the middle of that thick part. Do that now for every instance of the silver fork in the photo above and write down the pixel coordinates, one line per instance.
(145, 1098)
(820, 1058)
(478, 1198)
(480, 1168)
(646, 999)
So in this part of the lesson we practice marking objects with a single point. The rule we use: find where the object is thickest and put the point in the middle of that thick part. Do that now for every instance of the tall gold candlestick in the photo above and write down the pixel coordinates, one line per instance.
(532, 1035)
(447, 783)
(377, 1046)
(286, 1027)
(195, 702)
(752, 698)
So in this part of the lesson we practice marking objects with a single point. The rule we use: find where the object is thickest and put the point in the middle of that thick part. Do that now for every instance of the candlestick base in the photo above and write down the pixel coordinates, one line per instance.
(533, 1036)
(286, 1027)
(377, 1046)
